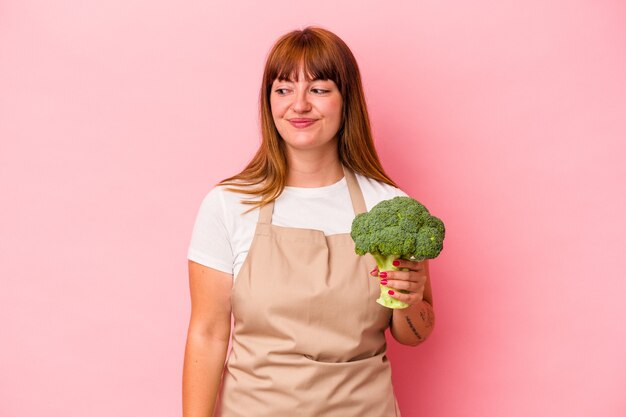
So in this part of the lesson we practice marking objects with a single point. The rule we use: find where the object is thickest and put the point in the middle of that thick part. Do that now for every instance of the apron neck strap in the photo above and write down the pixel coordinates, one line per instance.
(265, 215)
(356, 195)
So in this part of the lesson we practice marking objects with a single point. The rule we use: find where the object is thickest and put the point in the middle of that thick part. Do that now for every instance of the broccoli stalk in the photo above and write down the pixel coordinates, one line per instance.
(385, 262)
(399, 228)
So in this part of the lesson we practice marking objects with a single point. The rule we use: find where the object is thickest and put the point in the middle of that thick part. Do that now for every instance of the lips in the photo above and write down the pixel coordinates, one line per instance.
(301, 123)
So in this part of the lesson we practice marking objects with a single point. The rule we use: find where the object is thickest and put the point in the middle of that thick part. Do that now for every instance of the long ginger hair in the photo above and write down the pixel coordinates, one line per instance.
(323, 55)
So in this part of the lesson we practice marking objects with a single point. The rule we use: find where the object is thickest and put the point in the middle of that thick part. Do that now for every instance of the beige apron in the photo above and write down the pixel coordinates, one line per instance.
(309, 336)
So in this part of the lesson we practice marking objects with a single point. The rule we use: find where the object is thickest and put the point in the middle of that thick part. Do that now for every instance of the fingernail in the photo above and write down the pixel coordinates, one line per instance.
(396, 263)
(383, 282)
(372, 271)
(390, 292)
(383, 274)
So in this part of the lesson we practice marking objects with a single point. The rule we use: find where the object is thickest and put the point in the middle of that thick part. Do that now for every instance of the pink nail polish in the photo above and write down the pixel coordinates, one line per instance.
(383, 282)
(396, 263)
(383, 275)
(372, 271)
(390, 292)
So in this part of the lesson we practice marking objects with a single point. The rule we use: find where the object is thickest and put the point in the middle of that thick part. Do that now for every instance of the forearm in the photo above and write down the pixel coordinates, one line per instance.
(202, 374)
(412, 325)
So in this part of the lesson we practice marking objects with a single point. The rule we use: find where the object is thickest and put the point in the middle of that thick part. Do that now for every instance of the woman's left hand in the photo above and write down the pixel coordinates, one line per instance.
(410, 279)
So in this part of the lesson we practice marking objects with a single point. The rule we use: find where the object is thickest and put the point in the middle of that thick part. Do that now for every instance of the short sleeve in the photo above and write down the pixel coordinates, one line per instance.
(400, 193)
(376, 191)
(210, 240)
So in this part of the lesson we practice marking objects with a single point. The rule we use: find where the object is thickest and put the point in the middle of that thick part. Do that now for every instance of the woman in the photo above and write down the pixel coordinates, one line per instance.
(272, 245)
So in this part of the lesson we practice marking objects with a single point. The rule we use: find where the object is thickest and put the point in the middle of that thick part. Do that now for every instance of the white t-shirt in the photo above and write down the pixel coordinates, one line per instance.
(222, 233)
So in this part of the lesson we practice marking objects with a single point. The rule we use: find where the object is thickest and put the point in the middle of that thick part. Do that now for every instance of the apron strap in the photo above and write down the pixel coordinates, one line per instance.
(356, 195)
(265, 215)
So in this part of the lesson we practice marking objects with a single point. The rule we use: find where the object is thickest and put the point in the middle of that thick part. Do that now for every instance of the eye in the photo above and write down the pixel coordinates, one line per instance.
(281, 91)
(320, 91)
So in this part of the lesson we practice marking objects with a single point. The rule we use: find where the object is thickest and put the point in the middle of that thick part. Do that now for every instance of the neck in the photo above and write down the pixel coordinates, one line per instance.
(313, 168)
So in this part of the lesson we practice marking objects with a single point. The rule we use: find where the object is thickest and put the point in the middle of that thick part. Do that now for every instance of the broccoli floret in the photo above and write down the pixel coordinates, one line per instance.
(397, 228)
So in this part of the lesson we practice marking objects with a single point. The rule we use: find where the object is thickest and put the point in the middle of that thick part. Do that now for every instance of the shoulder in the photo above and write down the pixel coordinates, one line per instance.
(220, 199)
(217, 229)
(375, 191)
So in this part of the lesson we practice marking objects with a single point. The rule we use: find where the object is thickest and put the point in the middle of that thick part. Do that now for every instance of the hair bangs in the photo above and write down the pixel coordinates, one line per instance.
(303, 53)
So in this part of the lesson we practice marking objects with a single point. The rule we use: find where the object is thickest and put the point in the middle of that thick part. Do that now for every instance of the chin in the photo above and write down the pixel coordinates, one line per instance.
(308, 143)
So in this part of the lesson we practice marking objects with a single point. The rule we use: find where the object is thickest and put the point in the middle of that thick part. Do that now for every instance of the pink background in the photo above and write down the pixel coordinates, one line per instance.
(506, 118)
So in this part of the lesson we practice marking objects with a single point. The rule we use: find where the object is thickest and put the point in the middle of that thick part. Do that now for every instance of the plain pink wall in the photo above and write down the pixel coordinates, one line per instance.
(506, 118)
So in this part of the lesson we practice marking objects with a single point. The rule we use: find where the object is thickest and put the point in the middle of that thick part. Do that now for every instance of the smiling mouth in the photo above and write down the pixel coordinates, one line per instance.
(301, 123)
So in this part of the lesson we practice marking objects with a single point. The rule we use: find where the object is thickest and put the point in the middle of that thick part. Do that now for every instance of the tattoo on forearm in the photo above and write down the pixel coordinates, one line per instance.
(413, 329)
(427, 317)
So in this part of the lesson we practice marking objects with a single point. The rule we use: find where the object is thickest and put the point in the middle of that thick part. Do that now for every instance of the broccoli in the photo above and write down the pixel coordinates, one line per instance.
(397, 228)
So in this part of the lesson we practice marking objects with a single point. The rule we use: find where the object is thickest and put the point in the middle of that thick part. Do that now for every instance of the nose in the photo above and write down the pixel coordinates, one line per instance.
(301, 102)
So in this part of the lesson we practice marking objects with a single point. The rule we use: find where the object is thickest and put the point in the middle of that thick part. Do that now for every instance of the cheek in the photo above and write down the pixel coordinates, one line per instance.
(276, 109)
(336, 110)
